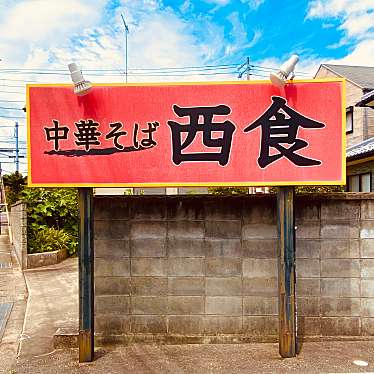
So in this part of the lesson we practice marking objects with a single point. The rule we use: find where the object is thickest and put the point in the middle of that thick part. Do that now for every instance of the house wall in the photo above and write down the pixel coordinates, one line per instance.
(362, 128)
(362, 168)
(197, 269)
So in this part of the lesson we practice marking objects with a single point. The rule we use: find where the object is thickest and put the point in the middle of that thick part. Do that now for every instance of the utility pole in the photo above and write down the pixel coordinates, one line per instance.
(17, 147)
(126, 33)
(246, 70)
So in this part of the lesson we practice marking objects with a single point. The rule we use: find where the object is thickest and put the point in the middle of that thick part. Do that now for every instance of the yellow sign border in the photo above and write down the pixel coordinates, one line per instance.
(191, 184)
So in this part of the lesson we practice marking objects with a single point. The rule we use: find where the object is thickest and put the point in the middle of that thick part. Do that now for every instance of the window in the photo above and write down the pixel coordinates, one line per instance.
(349, 120)
(359, 183)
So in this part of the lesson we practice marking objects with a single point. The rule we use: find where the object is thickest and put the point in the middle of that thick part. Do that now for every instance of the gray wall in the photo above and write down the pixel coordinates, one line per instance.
(204, 268)
(18, 224)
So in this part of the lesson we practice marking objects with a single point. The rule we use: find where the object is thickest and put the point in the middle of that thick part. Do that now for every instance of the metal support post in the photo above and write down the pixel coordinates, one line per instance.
(286, 272)
(17, 146)
(86, 276)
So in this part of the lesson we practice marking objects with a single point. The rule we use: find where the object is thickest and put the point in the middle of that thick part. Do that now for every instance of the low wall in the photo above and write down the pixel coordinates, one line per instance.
(18, 224)
(204, 268)
(36, 260)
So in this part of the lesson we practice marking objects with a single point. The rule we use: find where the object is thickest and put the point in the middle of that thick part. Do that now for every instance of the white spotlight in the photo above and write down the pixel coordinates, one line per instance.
(81, 86)
(285, 71)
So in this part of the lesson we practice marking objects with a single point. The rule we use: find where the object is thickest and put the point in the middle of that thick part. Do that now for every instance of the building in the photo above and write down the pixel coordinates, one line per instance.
(359, 122)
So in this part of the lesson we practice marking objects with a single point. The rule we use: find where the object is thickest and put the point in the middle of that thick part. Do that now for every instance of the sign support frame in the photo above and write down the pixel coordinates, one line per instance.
(86, 275)
(286, 272)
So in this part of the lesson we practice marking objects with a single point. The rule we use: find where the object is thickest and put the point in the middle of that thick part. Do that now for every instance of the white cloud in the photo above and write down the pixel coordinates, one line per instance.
(253, 4)
(357, 16)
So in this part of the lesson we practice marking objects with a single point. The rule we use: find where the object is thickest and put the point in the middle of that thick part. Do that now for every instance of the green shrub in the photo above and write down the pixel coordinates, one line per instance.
(51, 239)
(52, 208)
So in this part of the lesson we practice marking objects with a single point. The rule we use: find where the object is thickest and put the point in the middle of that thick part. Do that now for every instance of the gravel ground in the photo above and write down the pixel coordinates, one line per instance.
(325, 357)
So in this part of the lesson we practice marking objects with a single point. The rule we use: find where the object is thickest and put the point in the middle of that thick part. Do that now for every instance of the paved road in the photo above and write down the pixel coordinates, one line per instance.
(328, 357)
(13, 293)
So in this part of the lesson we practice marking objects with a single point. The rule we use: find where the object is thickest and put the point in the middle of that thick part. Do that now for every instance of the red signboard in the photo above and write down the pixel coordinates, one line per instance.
(187, 134)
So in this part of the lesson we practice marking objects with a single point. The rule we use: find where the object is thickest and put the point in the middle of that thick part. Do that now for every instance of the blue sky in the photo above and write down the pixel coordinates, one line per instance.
(45, 35)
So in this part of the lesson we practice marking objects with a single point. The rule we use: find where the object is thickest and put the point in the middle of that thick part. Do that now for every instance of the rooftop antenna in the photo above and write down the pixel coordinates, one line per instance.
(126, 33)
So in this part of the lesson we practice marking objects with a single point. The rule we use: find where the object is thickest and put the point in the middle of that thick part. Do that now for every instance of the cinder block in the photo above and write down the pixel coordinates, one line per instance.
(148, 229)
(185, 305)
(223, 247)
(263, 211)
(259, 268)
(308, 326)
(367, 209)
(213, 325)
(149, 286)
(149, 209)
(260, 325)
(186, 286)
(226, 305)
(186, 247)
(340, 326)
(308, 230)
(185, 325)
(308, 287)
(367, 307)
(340, 287)
(112, 268)
(308, 306)
(260, 286)
(148, 247)
(307, 268)
(110, 208)
(227, 209)
(340, 248)
(367, 229)
(112, 286)
(185, 210)
(111, 324)
(260, 306)
(223, 229)
(309, 211)
(367, 326)
(107, 248)
(347, 230)
(180, 266)
(186, 229)
(340, 267)
(148, 266)
(338, 209)
(149, 304)
(367, 248)
(111, 229)
(308, 248)
(259, 231)
(367, 288)
(367, 268)
(110, 304)
(149, 324)
(339, 307)
(260, 248)
(224, 286)
(223, 266)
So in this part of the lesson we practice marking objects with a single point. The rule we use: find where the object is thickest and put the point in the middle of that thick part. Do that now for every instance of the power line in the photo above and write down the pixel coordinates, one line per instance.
(7, 108)
(15, 92)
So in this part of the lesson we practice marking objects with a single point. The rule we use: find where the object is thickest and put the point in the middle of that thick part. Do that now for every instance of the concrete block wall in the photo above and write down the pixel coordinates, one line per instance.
(18, 224)
(204, 268)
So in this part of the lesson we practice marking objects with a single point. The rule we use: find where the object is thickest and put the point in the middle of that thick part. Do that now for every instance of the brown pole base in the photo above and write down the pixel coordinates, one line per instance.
(86, 346)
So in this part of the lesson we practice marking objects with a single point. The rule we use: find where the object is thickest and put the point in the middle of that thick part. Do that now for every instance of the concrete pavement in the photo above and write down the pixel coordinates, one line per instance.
(52, 303)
